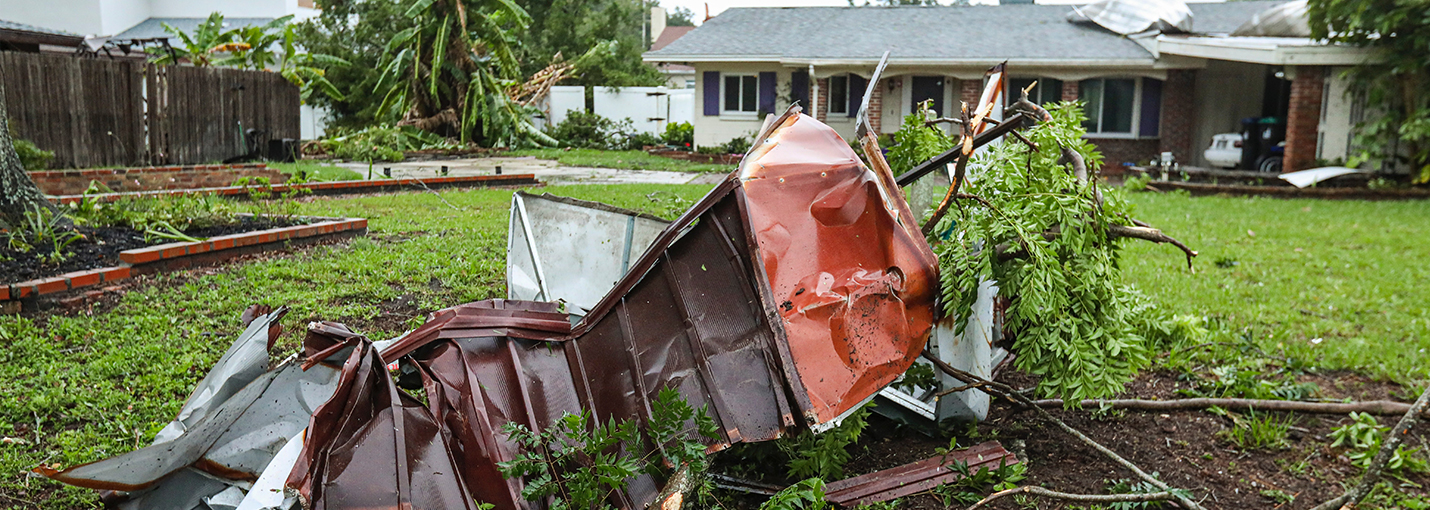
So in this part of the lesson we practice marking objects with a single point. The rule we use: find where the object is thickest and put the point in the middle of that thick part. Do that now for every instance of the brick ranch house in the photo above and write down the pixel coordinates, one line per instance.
(1145, 94)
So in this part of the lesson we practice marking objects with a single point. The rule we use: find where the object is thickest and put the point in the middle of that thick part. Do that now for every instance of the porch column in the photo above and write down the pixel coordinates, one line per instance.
(968, 92)
(1303, 118)
(876, 107)
(1071, 90)
(1178, 114)
(822, 104)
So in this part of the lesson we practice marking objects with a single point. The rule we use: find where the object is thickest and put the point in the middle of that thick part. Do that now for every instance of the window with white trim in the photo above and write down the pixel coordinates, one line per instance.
(1048, 91)
(1111, 105)
(839, 93)
(741, 93)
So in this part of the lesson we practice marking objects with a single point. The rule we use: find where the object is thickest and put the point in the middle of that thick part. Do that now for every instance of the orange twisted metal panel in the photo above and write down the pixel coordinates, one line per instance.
(853, 284)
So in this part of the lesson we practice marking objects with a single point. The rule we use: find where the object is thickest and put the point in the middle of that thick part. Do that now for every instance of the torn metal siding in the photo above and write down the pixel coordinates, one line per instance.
(564, 249)
(853, 283)
(374, 446)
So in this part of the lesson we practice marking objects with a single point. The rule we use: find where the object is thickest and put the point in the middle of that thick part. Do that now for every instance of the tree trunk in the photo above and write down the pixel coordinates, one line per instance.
(18, 193)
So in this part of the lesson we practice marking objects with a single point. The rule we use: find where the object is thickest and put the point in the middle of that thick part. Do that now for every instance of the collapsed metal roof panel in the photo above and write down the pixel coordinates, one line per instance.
(1129, 17)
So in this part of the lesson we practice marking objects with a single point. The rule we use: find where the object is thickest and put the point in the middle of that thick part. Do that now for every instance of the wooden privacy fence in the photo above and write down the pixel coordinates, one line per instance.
(96, 112)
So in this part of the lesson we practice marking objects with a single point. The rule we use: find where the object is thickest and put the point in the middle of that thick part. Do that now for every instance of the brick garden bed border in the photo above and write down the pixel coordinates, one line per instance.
(329, 188)
(181, 255)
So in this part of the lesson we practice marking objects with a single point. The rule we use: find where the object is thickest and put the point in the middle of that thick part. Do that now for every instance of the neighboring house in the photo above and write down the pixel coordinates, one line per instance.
(677, 76)
(32, 39)
(111, 17)
(1145, 94)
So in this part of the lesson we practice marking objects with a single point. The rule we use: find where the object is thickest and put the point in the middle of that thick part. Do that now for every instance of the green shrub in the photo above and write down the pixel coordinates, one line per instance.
(915, 143)
(32, 157)
(679, 134)
(582, 130)
(383, 143)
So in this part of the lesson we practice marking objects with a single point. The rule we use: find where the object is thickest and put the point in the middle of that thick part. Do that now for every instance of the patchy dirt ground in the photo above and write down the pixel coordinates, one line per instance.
(1185, 448)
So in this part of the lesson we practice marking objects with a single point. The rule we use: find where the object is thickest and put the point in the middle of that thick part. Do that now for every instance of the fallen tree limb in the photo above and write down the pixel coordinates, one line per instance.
(1388, 445)
(1149, 234)
(672, 497)
(1002, 390)
(960, 171)
(1079, 498)
(1377, 407)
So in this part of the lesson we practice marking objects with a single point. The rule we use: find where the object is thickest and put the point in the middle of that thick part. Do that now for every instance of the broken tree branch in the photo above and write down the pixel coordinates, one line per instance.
(1079, 498)
(1002, 390)
(959, 171)
(1388, 445)
(1377, 407)
(672, 497)
(1150, 234)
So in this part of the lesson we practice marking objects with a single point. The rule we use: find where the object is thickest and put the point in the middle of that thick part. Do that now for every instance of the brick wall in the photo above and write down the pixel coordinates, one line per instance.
(1070, 91)
(876, 107)
(1116, 151)
(75, 182)
(1303, 118)
(1178, 114)
(823, 104)
(968, 92)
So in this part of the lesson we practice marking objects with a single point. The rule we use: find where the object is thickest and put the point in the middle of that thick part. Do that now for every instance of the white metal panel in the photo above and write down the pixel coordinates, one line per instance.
(970, 351)
(567, 250)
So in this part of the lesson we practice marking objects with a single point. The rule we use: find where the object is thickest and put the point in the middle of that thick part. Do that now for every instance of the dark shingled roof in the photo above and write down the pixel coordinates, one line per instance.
(21, 27)
(154, 27)
(1014, 32)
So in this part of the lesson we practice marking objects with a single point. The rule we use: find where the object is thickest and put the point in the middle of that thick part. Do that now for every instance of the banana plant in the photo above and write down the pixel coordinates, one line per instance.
(197, 48)
(306, 70)
(253, 46)
(449, 72)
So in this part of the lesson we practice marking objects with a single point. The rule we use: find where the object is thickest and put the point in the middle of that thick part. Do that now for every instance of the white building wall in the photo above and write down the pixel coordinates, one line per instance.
(229, 8)
(77, 16)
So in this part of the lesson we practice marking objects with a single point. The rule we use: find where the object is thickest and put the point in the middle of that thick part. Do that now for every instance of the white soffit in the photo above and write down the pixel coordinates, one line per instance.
(1279, 51)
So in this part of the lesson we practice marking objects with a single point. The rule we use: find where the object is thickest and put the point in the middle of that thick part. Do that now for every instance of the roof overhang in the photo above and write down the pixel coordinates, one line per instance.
(910, 62)
(27, 37)
(1278, 51)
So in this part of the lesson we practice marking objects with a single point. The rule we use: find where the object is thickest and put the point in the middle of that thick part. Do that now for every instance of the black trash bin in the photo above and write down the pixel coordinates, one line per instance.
(1250, 143)
(283, 151)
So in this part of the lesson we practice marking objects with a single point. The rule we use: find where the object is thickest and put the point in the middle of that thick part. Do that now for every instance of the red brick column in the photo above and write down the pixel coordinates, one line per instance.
(823, 104)
(968, 92)
(1304, 118)
(1070, 91)
(1178, 114)
(876, 107)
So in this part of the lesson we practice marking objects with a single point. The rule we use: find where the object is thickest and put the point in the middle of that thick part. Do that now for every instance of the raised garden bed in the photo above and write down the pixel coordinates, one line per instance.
(695, 157)
(328, 188)
(125, 253)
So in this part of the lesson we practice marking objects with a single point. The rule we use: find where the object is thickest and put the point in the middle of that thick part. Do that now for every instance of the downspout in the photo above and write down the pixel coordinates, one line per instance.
(813, 96)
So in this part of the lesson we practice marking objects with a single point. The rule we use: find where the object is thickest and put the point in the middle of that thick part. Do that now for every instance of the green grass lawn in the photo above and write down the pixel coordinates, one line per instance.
(633, 160)
(1352, 274)
(317, 171)
(1343, 284)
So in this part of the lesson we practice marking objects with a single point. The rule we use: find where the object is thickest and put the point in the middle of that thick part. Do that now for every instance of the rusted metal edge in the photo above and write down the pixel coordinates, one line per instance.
(593, 205)
(913, 478)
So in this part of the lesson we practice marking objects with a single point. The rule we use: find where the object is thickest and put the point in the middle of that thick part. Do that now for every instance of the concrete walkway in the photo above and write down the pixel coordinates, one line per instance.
(548, 171)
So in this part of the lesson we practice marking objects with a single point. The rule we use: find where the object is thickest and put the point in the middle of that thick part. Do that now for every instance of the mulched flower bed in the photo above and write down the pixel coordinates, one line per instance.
(101, 246)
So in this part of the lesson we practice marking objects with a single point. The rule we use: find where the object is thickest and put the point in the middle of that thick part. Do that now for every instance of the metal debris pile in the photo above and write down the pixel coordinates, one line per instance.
(789, 296)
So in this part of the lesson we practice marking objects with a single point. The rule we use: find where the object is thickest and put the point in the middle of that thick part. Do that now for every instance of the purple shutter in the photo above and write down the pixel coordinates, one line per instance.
(712, 93)
(767, 93)
(799, 83)
(1151, 107)
(857, 84)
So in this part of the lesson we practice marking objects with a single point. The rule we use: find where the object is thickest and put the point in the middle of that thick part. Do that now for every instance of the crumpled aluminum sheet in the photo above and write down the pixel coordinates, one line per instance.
(1290, 19)
(227, 433)
(374, 446)
(1129, 17)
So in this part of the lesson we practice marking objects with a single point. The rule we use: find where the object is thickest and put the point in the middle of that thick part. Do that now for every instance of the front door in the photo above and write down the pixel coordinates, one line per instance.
(928, 88)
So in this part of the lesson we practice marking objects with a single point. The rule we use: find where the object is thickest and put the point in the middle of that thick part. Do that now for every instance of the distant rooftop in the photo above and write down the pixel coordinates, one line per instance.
(1029, 33)
(153, 28)
(669, 35)
(20, 33)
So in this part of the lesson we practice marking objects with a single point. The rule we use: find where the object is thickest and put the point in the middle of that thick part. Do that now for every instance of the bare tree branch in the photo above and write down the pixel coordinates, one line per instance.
(959, 171)
(1377, 407)
(1150, 234)
(1079, 498)
(1388, 445)
(1002, 390)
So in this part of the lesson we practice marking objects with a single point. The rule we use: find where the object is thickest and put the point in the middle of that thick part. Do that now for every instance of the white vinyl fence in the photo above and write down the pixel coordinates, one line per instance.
(648, 108)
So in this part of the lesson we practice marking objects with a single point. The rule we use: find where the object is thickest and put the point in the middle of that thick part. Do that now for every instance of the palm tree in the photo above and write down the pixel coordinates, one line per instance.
(449, 73)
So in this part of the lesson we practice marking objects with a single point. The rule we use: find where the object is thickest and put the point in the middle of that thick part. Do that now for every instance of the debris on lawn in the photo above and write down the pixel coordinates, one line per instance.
(226, 434)
(910, 479)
